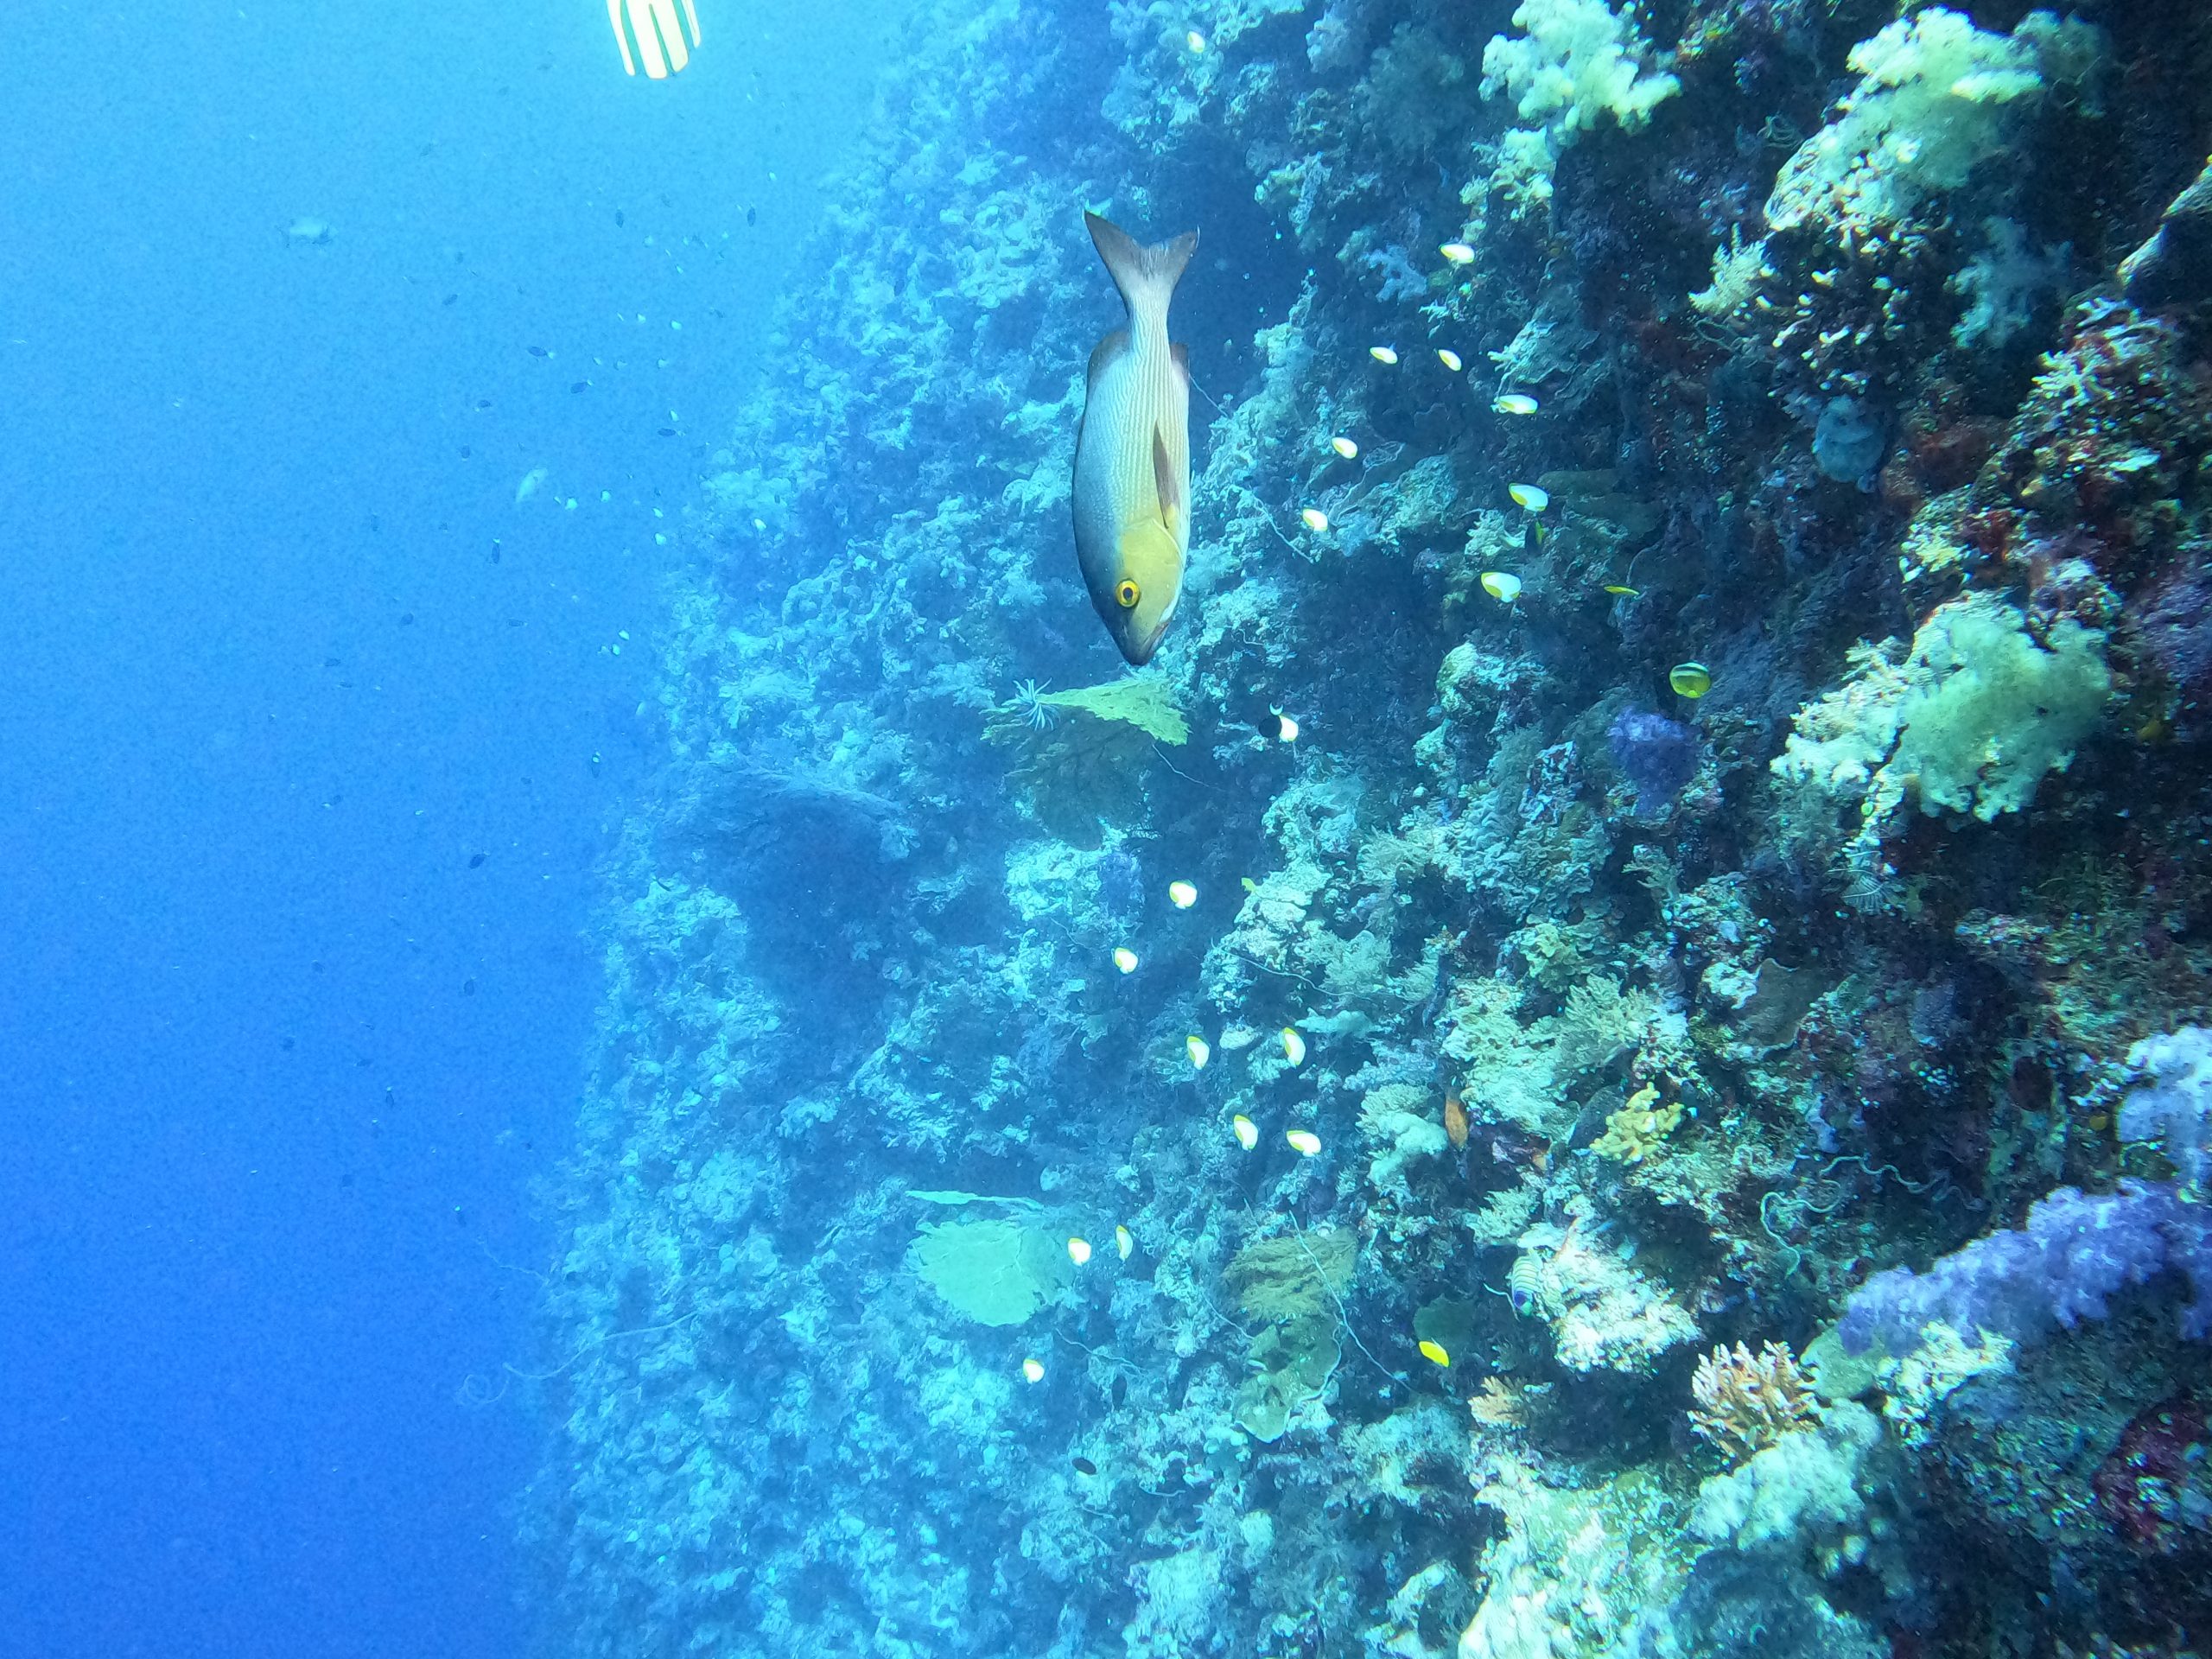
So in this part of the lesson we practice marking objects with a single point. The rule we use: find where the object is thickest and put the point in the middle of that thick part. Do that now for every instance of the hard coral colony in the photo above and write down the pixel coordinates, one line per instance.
(1722, 492)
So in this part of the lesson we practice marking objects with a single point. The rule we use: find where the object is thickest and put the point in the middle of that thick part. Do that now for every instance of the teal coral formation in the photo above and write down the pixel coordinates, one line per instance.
(1878, 964)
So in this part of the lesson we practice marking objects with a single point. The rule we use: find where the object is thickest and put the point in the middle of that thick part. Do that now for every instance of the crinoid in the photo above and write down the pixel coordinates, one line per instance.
(1028, 705)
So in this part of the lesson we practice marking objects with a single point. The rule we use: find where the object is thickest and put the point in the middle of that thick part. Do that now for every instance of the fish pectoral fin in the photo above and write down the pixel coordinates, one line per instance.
(1166, 482)
(1101, 357)
(1148, 548)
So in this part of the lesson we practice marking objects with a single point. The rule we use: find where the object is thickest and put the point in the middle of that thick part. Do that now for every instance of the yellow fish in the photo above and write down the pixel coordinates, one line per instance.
(1132, 494)
(1433, 1352)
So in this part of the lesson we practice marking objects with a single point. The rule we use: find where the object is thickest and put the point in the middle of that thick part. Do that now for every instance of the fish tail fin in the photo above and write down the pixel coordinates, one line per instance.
(1147, 276)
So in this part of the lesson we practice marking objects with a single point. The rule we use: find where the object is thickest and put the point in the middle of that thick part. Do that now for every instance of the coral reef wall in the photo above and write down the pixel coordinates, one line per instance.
(1679, 786)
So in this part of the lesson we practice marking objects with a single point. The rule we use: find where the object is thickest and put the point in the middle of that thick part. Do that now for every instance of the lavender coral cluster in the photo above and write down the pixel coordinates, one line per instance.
(1656, 754)
(2059, 1268)
(2174, 1107)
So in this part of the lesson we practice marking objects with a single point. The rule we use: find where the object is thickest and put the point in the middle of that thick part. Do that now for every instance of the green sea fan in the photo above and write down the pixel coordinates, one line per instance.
(1142, 700)
(996, 1272)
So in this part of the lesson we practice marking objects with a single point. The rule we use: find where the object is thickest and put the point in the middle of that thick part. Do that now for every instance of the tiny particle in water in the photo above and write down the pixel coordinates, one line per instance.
(449, 299)
(1514, 403)
(1316, 520)
(539, 351)
(1345, 447)
(1079, 1250)
(476, 860)
(468, 987)
(286, 1044)
(1084, 1467)
(483, 402)
(1033, 1370)
(1530, 496)
(1304, 1142)
(1457, 253)
(315, 966)
(464, 452)
(1293, 1046)
(1125, 959)
(407, 618)
(1433, 1352)
(580, 386)
(495, 554)
(1448, 358)
(1502, 585)
(1195, 1047)
(1182, 894)
(619, 220)
(1691, 680)
(1382, 354)
(1248, 1132)
(667, 431)
(752, 215)
(330, 662)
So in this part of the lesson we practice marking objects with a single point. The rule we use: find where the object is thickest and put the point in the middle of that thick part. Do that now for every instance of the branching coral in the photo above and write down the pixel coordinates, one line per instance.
(1745, 1403)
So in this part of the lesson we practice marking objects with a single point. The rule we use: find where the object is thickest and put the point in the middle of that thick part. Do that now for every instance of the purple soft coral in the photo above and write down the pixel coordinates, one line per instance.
(2060, 1268)
(1654, 753)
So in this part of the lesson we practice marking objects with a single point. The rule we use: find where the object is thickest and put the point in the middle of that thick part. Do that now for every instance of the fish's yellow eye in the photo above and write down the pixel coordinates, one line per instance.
(1125, 594)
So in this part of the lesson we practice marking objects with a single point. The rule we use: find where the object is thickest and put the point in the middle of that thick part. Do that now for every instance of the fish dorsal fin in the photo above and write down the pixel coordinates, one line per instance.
(1167, 483)
(1103, 355)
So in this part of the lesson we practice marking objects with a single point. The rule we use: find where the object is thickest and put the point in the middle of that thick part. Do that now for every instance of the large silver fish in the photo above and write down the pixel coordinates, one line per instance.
(1132, 492)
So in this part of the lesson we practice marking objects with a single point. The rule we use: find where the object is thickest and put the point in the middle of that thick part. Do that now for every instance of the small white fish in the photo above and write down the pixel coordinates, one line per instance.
(1125, 959)
(1033, 1370)
(528, 487)
(1305, 1143)
(1448, 358)
(1502, 585)
(1195, 1047)
(1248, 1132)
(1529, 496)
(1293, 1046)
(1195, 40)
(1514, 403)
(1288, 734)
(1125, 1241)
(1079, 1250)
(1316, 520)
(1182, 894)
(1384, 354)
(1345, 448)
(1457, 253)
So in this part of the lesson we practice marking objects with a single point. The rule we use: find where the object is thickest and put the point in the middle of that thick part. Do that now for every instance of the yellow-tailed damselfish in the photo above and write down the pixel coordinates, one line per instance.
(1132, 494)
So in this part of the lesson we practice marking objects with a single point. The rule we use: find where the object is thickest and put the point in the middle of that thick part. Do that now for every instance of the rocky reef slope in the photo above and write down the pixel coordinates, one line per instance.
(1686, 743)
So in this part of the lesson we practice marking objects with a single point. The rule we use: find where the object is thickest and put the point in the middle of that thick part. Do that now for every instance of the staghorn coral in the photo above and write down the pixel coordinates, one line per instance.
(1743, 1403)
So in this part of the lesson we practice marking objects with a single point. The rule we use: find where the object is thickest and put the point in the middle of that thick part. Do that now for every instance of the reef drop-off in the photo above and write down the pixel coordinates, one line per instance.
(1576, 1037)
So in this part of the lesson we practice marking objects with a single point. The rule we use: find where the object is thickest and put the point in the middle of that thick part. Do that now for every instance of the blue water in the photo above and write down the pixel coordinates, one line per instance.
(310, 738)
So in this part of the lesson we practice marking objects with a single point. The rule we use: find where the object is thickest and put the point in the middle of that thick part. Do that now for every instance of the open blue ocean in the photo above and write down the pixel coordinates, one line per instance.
(1106, 829)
